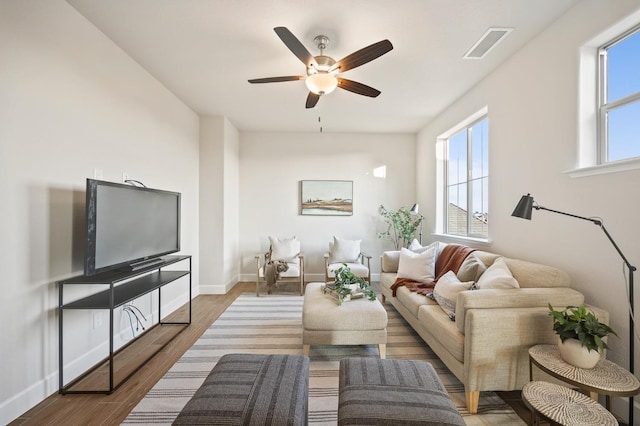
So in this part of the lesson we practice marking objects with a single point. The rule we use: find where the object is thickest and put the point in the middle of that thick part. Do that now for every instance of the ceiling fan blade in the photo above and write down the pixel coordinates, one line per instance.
(295, 46)
(362, 56)
(312, 100)
(277, 79)
(359, 88)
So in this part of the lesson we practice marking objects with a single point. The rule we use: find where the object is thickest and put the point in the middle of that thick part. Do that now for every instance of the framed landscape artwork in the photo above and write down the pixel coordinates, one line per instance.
(326, 197)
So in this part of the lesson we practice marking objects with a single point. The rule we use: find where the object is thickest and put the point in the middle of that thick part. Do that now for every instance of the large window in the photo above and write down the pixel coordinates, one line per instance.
(467, 181)
(619, 98)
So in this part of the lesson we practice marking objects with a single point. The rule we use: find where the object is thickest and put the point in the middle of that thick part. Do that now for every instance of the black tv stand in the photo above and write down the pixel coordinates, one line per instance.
(124, 287)
(143, 264)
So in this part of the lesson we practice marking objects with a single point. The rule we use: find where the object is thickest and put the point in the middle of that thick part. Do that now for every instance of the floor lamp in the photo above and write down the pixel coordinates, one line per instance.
(523, 210)
(414, 211)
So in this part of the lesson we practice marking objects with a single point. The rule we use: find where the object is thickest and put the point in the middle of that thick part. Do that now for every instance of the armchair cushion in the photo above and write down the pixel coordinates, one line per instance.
(286, 250)
(344, 251)
(292, 272)
(357, 268)
(419, 267)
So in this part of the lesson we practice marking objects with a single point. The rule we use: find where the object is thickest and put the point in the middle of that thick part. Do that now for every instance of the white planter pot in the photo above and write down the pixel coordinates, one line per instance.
(575, 354)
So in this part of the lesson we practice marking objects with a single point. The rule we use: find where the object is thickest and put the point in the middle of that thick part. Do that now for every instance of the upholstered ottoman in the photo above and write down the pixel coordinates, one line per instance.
(356, 322)
(394, 392)
(252, 389)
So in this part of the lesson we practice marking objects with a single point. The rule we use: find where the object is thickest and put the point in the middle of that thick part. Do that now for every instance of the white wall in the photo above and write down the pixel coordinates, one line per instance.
(533, 106)
(272, 166)
(71, 101)
(219, 223)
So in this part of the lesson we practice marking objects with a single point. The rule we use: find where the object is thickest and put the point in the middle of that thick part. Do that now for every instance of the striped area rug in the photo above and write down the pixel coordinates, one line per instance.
(273, 324)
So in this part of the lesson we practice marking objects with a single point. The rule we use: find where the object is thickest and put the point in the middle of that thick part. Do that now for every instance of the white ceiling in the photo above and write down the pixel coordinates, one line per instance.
(204, 51)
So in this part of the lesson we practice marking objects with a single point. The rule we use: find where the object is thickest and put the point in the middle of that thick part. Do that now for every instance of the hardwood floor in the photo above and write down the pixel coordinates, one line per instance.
(98, 409)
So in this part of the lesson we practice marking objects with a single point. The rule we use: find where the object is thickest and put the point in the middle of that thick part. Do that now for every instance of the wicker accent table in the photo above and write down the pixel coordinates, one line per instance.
(561, 405)
(606, 378)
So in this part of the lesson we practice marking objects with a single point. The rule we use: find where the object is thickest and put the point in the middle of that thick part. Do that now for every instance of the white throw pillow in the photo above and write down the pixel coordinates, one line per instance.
(415, 245)
(497, 275)
(344, 251)
(417, 248)
(286, 249)
(419, 267)
(446, 292)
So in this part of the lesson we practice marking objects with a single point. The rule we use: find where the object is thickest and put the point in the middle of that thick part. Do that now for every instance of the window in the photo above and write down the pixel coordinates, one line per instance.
(466, 181)
(619, 98)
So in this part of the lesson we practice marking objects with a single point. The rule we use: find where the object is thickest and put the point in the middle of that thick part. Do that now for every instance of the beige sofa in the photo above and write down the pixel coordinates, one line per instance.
(486, 347)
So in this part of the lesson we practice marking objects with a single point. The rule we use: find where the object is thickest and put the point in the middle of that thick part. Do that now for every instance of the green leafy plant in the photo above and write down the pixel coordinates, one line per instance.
(402, 225)
(575, 322)
(344, 282)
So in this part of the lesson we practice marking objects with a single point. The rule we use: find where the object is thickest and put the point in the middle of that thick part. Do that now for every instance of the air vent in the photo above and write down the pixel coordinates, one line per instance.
(487, 42)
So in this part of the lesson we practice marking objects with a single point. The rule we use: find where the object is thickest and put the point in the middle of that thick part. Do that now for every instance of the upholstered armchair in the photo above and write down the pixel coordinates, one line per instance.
(283, 263)
(346, 252)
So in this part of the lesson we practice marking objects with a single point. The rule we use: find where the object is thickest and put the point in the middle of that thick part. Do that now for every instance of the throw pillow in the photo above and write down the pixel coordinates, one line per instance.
(415, 244)
(471, 269)
(416, 247)
(418, 267)
(497, 275)
(286, 249)
(446, 292)
(344, 251)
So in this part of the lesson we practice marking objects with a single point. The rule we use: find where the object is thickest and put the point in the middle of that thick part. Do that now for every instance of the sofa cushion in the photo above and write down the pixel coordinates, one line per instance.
(286, 249)
(412, 300)
(419, 267)
(471, 268)
(497, 275)
(436, 322)
(344, 251)
(446, 292)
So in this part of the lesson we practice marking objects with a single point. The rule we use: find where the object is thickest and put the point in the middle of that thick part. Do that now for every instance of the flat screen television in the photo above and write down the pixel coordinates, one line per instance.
(128, 226)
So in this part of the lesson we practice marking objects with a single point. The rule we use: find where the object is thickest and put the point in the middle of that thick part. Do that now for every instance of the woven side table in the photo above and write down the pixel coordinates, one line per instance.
(606, 378)
(564, 406)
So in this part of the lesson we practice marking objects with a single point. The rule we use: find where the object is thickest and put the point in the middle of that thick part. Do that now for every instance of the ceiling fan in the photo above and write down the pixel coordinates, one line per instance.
(322, 71)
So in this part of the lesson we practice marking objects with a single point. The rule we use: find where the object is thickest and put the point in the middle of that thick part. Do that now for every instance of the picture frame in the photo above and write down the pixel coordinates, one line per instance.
(326, 197)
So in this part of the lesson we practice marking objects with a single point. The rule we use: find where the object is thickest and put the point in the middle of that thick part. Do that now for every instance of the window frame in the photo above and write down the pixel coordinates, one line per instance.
(603, 107)
(466, 126)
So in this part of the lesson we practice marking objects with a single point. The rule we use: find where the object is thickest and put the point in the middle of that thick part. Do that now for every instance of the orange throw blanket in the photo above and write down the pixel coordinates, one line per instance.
(450, 259)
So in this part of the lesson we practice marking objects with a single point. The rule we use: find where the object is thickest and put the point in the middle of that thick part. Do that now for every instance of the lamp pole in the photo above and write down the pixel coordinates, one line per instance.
(414, 211)
(523, 210)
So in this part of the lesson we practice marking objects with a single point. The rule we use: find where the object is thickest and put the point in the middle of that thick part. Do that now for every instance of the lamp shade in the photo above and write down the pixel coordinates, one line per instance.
(414, 209)
(524, 207)
(321, 83)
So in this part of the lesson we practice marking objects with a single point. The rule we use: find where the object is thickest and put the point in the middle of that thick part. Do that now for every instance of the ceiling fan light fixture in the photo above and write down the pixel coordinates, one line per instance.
(322, 83)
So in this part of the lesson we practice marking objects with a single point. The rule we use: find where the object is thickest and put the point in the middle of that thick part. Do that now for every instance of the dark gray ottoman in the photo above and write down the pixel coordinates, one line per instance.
(251, 389)
(393, 392)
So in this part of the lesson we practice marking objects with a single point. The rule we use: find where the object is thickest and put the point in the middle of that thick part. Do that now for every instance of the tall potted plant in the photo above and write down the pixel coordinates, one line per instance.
(579, 335)
(401, 226)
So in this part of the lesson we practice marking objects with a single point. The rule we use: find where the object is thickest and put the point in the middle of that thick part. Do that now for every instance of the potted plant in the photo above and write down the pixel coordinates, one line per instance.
(347, 283)
(401, 225)
(579, 335)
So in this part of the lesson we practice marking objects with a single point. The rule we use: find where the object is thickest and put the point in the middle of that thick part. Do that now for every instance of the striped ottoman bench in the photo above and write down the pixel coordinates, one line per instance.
(252, 389)
(394, 392)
